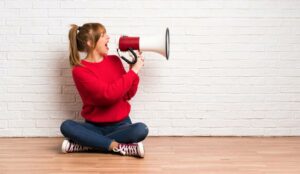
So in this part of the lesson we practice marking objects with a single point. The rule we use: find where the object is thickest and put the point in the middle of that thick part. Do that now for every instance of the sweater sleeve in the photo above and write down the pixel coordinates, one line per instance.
(100, 92)
(133, 89)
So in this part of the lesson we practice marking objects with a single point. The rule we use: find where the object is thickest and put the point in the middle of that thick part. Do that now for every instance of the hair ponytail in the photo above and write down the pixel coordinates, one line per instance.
(74, 57)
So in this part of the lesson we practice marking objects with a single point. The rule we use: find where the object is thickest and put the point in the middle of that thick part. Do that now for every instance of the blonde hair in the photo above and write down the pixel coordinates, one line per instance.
(79, 38)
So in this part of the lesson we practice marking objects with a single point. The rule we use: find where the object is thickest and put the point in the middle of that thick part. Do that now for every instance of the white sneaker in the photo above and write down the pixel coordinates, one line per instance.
(135, 149)
(69, 146)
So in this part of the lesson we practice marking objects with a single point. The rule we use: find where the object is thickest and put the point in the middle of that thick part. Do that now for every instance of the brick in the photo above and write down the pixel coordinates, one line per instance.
(21, 123)
(46, 4)
(18, 4)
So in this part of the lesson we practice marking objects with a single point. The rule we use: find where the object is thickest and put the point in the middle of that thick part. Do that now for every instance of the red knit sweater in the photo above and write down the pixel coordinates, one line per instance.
(105, 89)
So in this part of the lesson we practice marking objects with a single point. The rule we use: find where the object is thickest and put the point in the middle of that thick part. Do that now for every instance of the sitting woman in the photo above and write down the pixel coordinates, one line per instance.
(105, 88)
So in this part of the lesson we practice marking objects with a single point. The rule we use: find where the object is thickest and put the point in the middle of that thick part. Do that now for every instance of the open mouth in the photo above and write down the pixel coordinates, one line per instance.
(106, 45)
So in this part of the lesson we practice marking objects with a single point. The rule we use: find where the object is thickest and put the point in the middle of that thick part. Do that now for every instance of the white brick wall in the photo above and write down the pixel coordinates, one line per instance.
(234, 67)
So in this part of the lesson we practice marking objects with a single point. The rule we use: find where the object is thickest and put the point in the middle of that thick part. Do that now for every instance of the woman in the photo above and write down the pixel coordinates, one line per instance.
(105, 88)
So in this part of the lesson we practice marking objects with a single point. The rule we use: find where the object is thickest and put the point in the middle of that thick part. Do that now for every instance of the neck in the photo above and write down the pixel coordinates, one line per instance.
(94, 57)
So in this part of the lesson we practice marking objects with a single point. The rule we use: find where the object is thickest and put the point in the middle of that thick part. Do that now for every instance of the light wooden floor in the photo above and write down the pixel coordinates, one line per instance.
(230, 155)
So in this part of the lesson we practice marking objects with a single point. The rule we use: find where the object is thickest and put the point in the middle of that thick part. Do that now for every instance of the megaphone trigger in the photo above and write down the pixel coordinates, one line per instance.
(133, 55)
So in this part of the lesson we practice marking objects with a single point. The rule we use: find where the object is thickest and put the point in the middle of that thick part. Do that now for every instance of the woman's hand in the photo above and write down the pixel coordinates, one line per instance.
(139, 63)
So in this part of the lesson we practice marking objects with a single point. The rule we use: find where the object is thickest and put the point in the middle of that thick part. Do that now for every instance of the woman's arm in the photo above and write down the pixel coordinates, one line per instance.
(133, 89)
(102, 93)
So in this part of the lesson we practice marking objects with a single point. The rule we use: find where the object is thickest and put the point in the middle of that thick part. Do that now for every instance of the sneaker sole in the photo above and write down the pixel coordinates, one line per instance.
(141, 150)
(64, 145)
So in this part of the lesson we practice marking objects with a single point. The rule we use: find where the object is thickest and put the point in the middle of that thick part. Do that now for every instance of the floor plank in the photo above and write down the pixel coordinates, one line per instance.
(222, 155)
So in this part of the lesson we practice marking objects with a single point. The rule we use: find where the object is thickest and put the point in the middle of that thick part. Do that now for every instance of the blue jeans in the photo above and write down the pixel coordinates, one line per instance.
(100, 136)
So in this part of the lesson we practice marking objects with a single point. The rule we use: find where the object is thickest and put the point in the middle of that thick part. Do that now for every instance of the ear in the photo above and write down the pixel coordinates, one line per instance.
(89, 43)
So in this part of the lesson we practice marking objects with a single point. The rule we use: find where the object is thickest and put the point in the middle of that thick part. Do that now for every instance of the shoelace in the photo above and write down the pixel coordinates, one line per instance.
(127, 149)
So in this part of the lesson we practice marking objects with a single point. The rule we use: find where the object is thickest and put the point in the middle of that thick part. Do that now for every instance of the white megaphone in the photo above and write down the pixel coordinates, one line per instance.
(159, 44)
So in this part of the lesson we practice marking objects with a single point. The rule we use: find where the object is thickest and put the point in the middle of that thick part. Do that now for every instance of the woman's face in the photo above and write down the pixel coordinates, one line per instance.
(101, 46)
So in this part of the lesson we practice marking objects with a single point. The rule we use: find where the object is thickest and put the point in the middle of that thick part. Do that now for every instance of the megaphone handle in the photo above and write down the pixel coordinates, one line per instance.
(127, 60)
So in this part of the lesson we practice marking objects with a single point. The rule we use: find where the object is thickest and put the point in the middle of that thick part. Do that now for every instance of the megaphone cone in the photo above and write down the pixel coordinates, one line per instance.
(159, 44)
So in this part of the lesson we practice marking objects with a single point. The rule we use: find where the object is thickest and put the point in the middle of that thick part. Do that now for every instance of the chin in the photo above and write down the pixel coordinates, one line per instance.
(105, 53)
